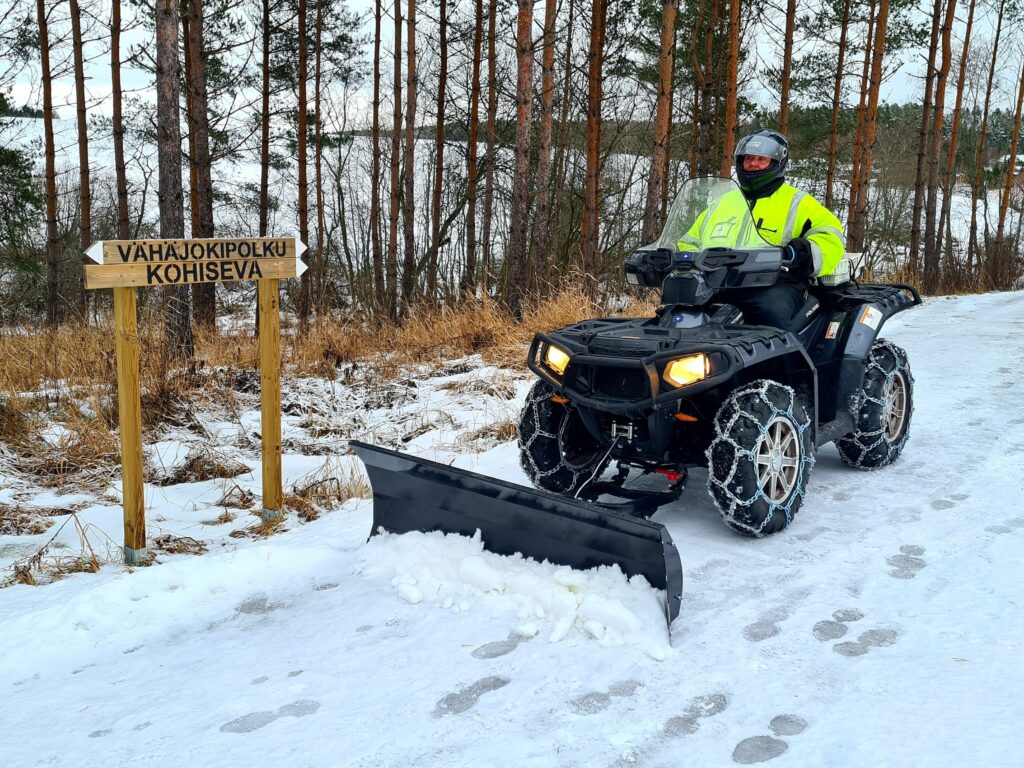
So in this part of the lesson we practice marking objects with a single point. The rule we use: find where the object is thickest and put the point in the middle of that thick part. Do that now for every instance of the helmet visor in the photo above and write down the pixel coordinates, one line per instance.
(763, 145)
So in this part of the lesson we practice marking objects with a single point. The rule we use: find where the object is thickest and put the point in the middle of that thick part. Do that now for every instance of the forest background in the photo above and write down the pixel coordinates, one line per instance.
(439, 154)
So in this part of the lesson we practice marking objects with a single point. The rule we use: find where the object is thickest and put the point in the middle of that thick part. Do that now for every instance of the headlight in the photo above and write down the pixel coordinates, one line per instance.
(687, 370)
(556, 359)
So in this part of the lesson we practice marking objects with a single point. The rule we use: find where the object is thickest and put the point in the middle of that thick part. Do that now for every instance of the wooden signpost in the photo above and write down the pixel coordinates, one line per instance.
(125, 265)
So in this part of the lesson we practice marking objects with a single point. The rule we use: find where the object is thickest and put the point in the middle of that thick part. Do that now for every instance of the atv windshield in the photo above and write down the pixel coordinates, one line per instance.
(710, 213)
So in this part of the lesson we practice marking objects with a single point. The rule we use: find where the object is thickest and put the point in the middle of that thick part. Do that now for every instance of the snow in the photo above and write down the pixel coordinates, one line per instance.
(884, 627)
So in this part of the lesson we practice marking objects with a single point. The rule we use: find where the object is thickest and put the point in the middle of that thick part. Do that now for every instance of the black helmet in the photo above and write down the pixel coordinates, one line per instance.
(771, 144)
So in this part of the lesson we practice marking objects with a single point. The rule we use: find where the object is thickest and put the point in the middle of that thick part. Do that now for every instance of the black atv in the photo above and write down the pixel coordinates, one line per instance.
(696, 387)
(692, 386)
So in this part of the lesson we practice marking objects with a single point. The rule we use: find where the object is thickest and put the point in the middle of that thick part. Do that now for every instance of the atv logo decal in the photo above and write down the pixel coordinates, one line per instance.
(871, 317)
(833, 330)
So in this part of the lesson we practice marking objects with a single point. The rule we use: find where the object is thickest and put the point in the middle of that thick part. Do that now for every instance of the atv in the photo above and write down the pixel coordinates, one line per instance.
(625, 408)
(695, 386)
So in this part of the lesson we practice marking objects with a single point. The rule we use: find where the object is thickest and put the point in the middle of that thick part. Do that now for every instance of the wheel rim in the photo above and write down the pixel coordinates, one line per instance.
(778, 459)
(894, 411)
(573, 439)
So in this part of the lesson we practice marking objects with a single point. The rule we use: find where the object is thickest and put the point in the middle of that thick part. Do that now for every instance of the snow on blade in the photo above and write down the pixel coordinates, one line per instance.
(455, 573)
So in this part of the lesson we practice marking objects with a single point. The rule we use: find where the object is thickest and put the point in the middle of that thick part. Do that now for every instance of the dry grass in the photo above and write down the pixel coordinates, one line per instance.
(203, 463)
(46, 566)
(68, 376)
(24, 520)
(501, 386)
(490, 435)
(170, 544)
(334, 483)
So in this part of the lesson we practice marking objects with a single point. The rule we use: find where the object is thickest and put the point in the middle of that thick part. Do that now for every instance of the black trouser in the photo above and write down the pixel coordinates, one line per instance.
(776, 305)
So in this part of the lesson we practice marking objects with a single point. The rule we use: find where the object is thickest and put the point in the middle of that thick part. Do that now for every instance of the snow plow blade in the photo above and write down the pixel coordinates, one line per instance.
(412, 494)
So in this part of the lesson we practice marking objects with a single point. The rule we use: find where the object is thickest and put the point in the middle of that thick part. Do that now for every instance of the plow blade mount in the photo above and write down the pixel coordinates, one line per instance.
(411, 494)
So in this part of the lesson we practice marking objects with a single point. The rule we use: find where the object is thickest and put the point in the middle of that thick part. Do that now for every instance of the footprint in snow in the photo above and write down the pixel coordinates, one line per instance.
(760, 749)
(257, 605)
(1008, 526)
(465, 699)
(699, 708)
(256, 720)
(765, 627)
(836, 627)
(943, 504)
(873, 638)
(592, 703)
(813, 533)
(499, 647)
(906, 564)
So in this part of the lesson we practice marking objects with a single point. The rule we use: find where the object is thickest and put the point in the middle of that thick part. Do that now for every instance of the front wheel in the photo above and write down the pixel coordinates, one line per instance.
(556, 451)
(881, 410)
(760, 458)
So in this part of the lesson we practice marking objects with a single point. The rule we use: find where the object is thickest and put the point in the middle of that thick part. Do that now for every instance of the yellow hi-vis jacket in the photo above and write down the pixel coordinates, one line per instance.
(785, 214)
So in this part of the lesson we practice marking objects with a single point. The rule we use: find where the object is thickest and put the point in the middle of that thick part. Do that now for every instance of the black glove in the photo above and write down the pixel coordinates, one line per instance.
(799, 257)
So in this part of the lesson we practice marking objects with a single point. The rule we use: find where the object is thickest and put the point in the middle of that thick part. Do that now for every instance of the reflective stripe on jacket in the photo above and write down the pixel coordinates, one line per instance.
(786, 214)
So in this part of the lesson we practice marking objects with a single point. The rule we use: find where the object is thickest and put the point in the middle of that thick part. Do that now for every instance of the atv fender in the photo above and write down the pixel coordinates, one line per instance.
(870, 306)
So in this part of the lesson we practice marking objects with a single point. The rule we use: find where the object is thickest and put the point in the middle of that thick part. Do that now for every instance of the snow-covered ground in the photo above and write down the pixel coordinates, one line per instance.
(885, 627)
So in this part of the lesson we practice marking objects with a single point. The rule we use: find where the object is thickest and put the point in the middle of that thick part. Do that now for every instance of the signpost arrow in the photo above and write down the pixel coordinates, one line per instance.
(95, 252)
(300, 248)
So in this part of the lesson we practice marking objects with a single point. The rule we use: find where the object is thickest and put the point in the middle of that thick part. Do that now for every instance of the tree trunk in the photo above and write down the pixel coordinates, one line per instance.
(562, 144)
(787, 65)
(318, 153)
(730, 88)
(659, 158)
(409, 265)
(204, 295)
(954, 139)
(922, 143)
(542, 220)
(1011, 165)
(979, 157)
(118, 122)
(592, 184)
(54, 310)
(708, 163)
(520, 213)
(698, 89)
(396, 181)
(305, 287)
(375, 245)
(837, 101)
(491, 131)
(435, 211)
(871, 123)
(931, 245)
(858, 136)
(84, 190)
(264, 125)
(469, 276)
(177, 304)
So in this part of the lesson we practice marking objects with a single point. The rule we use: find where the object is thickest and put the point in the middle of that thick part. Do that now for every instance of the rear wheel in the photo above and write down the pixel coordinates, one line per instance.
(760, 458)
(556, 451)
(881, 410)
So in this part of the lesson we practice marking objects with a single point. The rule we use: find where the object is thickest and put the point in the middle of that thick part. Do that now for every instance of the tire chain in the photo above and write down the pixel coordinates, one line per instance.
(866, 442)
(722, 434)
(537, 395)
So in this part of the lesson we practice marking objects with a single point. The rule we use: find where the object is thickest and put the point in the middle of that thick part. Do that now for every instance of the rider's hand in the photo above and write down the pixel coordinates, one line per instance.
(798, 254)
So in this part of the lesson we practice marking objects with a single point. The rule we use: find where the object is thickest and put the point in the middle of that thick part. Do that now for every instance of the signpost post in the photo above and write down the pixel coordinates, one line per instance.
(125, 265)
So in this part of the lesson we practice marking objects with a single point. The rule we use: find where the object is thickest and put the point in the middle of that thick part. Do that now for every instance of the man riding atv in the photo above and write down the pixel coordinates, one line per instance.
(783, 216)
